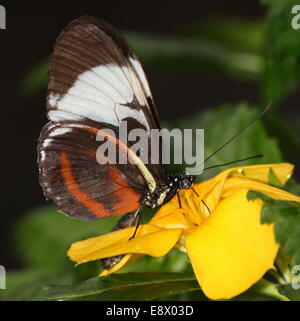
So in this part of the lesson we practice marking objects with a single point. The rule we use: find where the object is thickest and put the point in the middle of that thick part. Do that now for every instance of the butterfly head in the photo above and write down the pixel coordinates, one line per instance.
(186, 181)
(183, 180)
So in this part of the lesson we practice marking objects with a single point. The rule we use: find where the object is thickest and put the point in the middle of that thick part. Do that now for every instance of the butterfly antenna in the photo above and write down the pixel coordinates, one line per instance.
(250, 123)
(233, 162)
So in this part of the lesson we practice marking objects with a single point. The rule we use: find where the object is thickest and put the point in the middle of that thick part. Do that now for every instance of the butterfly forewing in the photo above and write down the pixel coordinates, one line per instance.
(93, 73)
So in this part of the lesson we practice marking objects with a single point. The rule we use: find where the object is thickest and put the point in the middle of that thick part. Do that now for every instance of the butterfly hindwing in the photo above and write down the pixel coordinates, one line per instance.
(81, 187)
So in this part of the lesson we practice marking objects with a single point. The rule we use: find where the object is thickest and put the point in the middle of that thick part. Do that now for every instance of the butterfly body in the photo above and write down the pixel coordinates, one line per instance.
(166, 190)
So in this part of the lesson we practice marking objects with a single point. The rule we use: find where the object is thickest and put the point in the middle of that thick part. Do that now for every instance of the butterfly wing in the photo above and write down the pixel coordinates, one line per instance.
(95, 82)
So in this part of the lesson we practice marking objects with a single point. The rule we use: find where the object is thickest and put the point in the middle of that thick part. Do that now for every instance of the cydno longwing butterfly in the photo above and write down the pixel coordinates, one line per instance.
(96, 82)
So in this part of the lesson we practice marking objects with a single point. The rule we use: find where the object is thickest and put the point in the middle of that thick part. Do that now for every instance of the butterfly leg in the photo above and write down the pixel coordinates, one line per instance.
(179, 201)
(206, 206)
(194, 191)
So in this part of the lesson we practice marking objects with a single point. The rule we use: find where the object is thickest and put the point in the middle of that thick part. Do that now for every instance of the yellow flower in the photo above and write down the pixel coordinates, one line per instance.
(216, 226)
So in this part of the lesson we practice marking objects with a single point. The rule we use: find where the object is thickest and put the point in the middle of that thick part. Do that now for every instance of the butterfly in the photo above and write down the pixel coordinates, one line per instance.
(96, 81)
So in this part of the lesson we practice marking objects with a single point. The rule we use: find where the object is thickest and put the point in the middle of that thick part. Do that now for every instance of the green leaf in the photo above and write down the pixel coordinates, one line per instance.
(44, 235)
(252, 195)
(282, 68)
(187, 53)
(272, 178)
(220, 124)
(288, 291)
(174, 261)
(230, 31)
(21, 284)
(129, 286)
(286, 216)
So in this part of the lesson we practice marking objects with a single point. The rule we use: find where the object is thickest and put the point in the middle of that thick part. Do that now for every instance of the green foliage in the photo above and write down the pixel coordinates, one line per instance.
(21, 284)
(286, 216)
(55, 233)
(273, 180)
(288, 291)
(230, 31)
(131, 286)
(220, 125)
(282, 51)
(35, 78)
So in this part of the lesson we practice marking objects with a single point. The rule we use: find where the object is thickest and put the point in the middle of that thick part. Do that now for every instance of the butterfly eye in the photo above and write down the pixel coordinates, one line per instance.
(186, 182)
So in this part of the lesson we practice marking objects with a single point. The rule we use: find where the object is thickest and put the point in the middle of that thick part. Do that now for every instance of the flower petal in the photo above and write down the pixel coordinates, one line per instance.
(149, 240)
(231, 250)
(283, 172)
(170, 216)
(233, 183)
(212, 189)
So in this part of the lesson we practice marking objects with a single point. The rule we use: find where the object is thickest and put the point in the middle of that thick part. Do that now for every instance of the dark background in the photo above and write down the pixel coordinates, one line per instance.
(32, 28)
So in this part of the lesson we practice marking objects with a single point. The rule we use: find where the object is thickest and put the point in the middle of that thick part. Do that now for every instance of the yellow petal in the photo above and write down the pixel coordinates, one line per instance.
(149, 240)
(283, 172)
(233, 183)
(211, 190)
(231, 250)
(173, 220)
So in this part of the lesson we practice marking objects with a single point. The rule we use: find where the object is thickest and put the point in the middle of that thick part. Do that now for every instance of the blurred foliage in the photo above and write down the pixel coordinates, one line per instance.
(265, 51)
(196, 55)
(286, 215)
(220, 45)
(55, 232)
(220, 125)
(127, 286)
(282, 50)
(289, 292)
(35, 79)
(281, 72)
(230, 31)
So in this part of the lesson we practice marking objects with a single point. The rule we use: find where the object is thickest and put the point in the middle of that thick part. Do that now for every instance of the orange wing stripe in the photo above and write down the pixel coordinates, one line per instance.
(129, 195)
(126, 196)
(81, 197)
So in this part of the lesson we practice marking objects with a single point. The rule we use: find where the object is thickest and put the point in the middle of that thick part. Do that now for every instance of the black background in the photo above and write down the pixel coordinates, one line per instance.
(32, 28)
